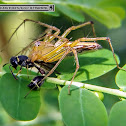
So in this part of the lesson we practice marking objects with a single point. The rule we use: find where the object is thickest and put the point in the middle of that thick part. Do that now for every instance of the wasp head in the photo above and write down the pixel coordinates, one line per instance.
(14, 62)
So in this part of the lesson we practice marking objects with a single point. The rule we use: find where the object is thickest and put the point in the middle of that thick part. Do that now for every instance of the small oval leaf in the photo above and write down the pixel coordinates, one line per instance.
(121, 79)
(12, 94)
(108, 18)
(117, 10)
(92, 65)
(81, 108)
(70, 12)
(117, 115)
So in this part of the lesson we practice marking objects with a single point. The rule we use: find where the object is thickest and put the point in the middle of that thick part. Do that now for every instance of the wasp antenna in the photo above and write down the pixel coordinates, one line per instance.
(5, 64)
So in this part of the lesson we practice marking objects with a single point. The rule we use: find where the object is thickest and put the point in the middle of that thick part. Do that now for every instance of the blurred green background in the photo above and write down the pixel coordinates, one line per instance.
(109, 20)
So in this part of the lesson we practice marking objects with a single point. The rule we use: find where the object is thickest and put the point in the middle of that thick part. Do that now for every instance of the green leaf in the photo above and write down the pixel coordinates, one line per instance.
(112, 3)
(12, 94)
(92, 65)
(121, 79)
(1, 2)
(120, 12)
(81, 108)
(108, 12)
(108, 18)
(56, 14)
(117, 115)
(70, 12)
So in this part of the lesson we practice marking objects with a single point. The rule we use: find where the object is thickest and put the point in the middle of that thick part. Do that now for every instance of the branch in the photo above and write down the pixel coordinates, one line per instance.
(87, 86)
(52, 80)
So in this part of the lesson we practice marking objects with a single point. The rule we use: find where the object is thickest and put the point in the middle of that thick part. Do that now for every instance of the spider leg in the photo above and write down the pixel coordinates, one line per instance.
(110, 44)
(77, 67)
(37, 22)
(77, 27)
(49, 37)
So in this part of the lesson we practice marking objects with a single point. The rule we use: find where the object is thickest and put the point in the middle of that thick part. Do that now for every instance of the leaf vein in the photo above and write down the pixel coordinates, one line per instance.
(81, 107)
(18, 99)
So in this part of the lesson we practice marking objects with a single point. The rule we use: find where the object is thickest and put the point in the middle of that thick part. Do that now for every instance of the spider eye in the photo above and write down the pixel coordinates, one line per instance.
(37, 43)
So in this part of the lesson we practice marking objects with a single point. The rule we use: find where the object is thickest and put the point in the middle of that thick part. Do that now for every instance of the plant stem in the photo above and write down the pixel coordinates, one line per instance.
(87, 86)
(52, 80)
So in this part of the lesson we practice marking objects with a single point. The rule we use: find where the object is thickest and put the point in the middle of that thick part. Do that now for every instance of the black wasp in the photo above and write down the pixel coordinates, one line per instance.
(23, 61)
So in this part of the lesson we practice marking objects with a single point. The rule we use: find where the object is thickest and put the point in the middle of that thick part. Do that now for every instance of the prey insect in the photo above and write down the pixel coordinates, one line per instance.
(22, 60)
(47, 50)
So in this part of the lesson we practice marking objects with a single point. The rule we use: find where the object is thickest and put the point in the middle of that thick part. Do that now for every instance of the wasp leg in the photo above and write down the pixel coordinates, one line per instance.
(13, 73)
(19, 70)
(110, 44)
(77, 67)
(27, 71)
(39, 69)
